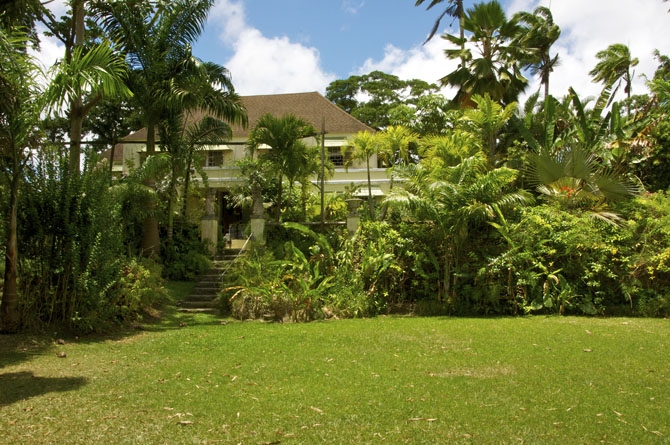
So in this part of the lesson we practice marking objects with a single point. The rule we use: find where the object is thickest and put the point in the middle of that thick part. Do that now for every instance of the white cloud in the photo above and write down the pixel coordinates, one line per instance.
(51, 49)
(426, 62)
(587, 27)
(267, 65)
(352, 6)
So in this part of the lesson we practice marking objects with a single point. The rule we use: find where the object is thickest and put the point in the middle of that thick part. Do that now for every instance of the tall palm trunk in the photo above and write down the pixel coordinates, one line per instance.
(77, 107)
(370, 207)
(9, 311)
(280, 191)
(150, 236)
(187, 183)
(172, 194)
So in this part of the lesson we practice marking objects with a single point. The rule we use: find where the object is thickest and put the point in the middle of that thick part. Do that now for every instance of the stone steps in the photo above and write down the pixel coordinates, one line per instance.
(203, 295)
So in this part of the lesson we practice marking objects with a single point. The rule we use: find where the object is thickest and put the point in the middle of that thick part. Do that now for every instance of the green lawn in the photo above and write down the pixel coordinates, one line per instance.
(382, 380)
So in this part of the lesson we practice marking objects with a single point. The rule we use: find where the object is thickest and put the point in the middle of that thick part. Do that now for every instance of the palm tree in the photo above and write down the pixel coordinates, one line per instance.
(289, 155)
(496, 68)
(540, 34)
(82, 82)
(156, 37)
(86, 75)
(572, 170)
(397, 145)
(201, 87)
(454, 9)
(456, 200)
(486, 122)
(20, 110)
(614, 67)
(363, 145)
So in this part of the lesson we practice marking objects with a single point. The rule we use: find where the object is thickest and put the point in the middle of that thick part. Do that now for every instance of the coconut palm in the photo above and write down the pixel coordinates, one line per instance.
(614, 67)
(495, 66)
(289, 155)
(453, 9)
(540, 34)
(156, 37)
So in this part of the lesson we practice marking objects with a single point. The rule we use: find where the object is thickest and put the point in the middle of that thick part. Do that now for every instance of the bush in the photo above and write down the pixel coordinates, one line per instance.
(653, 305)
(562, 262)
(139, 288)
(71, 244)
(185, 256)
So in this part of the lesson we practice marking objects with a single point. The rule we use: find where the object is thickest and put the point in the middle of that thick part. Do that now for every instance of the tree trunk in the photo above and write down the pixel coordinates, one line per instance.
(10, 318)
(370, 207)
(151, 242)
(187, 182)
(171, 201)
(76, 124)
(280, 191)
(77, 106)
(111, 162)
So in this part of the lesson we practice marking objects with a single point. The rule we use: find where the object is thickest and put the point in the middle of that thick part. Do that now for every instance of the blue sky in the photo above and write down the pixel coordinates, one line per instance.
(346, 33)
(273, 46)
(284, 46)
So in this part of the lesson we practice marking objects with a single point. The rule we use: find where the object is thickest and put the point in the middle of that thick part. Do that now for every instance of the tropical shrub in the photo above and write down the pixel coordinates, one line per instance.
(138, 288)
(70, 237)
(184, 256)
(559, 261)
(648, 220)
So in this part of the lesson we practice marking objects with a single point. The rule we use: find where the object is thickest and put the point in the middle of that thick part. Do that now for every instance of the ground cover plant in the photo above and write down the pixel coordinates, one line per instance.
(202, 379)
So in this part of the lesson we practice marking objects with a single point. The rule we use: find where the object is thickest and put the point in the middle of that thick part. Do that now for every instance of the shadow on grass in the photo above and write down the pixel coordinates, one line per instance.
(17, 348)
(17, 386)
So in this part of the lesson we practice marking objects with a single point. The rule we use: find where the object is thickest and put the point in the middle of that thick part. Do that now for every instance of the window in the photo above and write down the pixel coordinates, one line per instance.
(214, 158)
(335, 156)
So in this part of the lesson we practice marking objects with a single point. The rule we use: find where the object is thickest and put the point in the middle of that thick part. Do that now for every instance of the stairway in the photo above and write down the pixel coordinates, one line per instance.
(206, 290)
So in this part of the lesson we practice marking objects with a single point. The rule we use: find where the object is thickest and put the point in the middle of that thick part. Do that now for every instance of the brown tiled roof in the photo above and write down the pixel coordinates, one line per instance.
(313, 107)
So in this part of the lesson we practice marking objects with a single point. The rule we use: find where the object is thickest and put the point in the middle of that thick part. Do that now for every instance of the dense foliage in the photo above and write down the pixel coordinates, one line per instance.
(559, 206)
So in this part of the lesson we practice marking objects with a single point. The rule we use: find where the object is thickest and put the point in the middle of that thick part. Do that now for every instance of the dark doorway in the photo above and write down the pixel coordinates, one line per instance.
(230, 217)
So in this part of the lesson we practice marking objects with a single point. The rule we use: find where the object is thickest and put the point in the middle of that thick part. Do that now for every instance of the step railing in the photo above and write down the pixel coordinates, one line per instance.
(239, 253)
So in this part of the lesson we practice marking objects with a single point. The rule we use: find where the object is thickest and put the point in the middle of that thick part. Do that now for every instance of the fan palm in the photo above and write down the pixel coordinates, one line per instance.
(572, 168)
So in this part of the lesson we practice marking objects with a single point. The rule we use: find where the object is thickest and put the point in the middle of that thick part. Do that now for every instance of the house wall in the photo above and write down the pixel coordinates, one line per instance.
(227, 176)
(223, 176)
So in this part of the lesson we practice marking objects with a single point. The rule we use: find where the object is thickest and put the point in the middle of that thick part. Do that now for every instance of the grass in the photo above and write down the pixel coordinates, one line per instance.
(382, 380)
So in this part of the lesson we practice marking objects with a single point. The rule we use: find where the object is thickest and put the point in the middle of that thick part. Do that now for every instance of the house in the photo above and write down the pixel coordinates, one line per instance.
(334, 125)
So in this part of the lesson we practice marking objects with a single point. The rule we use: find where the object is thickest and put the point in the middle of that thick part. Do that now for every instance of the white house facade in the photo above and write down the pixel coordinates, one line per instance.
(334, 127)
